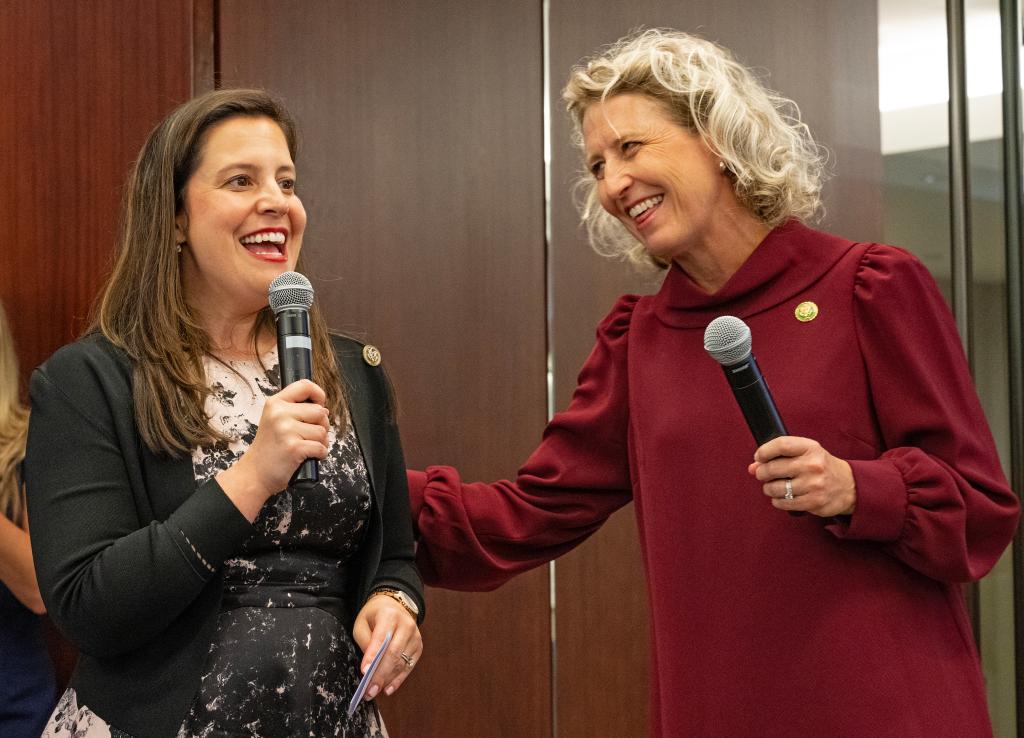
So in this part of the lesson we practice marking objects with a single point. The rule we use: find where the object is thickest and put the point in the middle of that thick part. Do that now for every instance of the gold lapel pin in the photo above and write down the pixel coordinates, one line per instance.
(371, 355)
(806, 311)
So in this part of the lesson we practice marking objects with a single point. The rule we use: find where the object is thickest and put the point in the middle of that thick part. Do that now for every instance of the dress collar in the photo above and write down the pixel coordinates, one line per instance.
(789, 259)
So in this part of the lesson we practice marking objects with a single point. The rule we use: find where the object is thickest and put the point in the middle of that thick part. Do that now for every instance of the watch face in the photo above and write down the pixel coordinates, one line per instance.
(408, 602)
(405, 600)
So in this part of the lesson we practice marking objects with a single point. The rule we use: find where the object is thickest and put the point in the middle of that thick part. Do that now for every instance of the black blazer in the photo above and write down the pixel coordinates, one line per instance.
(128, 549)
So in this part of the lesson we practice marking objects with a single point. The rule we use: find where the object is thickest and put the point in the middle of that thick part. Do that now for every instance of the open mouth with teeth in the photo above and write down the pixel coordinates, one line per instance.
(644, 209)
(267, 245)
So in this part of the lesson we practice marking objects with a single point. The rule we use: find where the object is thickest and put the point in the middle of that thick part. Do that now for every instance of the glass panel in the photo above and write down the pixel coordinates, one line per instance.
(913, 103)
(989, 328)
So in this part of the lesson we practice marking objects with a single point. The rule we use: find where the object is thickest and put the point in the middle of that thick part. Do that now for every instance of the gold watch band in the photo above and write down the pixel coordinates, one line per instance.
(398, 596)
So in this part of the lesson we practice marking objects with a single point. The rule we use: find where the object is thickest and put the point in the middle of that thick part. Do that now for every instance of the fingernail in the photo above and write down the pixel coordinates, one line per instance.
(373, 691)
(389, 691)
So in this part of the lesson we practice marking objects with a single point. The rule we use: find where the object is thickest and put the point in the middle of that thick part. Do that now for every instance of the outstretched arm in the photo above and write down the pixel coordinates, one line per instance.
(476, 536)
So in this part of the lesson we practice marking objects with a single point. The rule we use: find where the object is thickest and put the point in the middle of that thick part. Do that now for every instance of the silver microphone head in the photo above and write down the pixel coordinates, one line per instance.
(727, 339)
(290, 290)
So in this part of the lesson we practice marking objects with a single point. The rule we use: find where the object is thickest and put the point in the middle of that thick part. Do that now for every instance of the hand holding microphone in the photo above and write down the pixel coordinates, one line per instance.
(291, 296)
(822, 484)
(294, 426)
(728, 340)
(796, 471)
(293, 429)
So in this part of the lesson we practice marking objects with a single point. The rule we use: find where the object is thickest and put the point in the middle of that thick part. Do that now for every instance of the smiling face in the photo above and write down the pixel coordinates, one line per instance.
(658, 178)
(242, 222)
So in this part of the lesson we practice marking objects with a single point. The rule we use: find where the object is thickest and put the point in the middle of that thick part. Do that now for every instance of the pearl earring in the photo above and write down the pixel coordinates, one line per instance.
(721, 166)
(178, 247)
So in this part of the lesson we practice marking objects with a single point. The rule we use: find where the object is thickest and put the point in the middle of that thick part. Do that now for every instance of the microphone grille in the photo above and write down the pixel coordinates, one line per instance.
(727, 339)
(290, 290)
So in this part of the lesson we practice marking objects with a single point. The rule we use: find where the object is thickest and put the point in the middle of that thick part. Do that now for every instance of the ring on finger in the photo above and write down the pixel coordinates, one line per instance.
(407, 659)
(789, 490)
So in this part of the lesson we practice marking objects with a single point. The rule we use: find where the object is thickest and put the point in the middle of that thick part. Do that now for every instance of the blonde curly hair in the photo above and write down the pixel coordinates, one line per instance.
(13, 427)
(776, 167)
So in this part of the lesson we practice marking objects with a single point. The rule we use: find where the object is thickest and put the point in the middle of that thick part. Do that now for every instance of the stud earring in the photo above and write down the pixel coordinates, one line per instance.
(721, 166)
(178, 248)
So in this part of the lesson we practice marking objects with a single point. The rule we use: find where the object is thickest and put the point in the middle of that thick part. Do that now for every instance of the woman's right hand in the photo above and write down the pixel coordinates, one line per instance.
(293, 428)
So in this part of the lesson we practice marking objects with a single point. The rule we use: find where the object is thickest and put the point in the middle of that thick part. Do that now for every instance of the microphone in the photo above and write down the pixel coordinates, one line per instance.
(291, 296)
(727, 339)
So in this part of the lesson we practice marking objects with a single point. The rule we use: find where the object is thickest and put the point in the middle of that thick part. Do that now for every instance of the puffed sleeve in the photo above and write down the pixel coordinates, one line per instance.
(476, 536)
(937, 498)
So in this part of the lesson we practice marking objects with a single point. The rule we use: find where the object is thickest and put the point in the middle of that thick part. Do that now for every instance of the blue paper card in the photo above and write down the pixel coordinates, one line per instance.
(365, 681)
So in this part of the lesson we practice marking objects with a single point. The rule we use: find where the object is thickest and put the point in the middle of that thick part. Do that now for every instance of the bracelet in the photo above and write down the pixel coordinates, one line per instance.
(401, 598)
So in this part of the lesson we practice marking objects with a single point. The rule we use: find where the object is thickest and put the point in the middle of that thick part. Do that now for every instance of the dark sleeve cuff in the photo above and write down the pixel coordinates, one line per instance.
(208, 528)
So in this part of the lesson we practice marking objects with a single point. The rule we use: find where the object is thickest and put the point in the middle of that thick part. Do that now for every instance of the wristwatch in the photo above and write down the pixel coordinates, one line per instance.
(401, 598)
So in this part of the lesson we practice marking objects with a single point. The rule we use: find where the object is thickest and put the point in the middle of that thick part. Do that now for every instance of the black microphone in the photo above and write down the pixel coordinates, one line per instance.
(291, 296)
(727, 339)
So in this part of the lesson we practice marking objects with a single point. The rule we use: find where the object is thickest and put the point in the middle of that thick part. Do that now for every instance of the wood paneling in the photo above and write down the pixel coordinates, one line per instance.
(824, 55)
(421, 166)
(205, 45)
(82, 84)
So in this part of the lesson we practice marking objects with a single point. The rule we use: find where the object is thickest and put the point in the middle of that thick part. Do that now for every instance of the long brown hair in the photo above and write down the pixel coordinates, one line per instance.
(13, 426)
(142, 308)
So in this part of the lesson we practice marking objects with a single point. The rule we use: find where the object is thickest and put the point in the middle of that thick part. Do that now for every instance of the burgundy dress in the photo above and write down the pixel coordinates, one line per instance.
(762, 623)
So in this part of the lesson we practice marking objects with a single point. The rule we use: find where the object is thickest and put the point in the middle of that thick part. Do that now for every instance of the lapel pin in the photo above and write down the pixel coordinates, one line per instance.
(371, 355)
(806, 311)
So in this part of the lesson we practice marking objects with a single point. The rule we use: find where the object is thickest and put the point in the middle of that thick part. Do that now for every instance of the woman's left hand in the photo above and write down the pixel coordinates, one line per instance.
(380, 615)
(821, 484)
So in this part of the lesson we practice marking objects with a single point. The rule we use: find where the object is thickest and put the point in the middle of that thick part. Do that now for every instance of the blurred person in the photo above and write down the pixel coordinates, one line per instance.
(27, 686)
(207, 595)
(848, 620)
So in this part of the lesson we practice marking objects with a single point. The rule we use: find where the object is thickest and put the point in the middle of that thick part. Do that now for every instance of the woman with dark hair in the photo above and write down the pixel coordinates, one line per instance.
(847, 620)
(27, 687)
(207, 595)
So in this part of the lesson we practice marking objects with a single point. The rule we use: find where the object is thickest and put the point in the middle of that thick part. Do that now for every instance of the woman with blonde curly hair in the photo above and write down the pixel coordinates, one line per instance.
(847, 619)
(26, 674)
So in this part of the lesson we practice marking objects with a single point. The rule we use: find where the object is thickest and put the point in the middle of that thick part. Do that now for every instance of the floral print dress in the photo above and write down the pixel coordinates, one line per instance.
(282, 662)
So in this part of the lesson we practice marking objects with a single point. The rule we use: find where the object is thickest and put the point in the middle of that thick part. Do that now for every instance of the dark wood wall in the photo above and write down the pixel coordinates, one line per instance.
(422, 168)
(81, 85)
